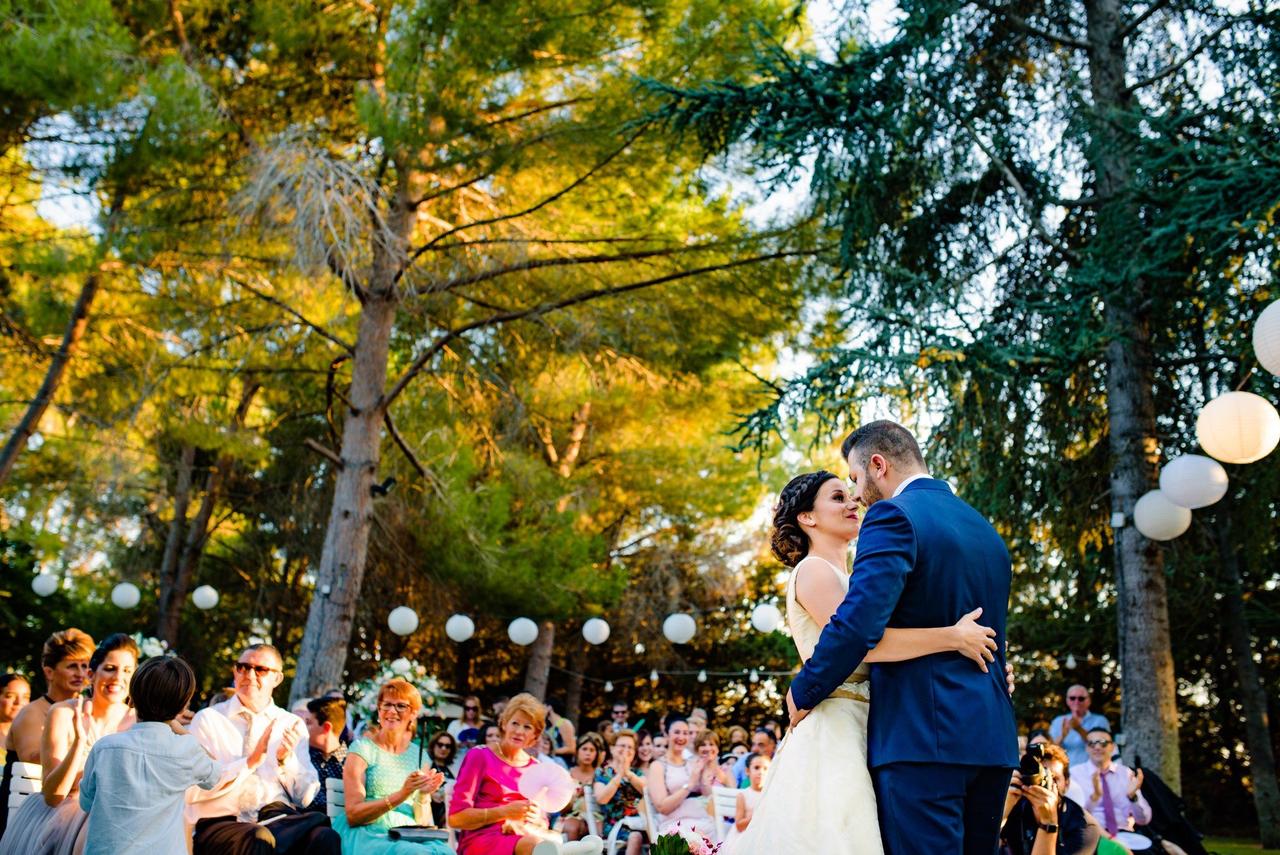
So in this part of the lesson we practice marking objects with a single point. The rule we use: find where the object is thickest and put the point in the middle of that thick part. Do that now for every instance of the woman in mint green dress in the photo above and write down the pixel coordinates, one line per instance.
(381, 778)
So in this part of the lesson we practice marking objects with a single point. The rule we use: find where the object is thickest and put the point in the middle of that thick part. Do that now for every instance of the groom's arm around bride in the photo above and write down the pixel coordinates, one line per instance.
(942, 739)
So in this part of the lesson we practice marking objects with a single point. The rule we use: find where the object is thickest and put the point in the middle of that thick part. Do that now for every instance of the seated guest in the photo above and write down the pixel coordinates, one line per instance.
(619, 787)
(256, 808)
(134, 782)
(54, 824)
(325, 717)
(618, 716)
(1039, 820)
(748, 799)
(707, 748)
(697, 722)
(673, 783)
(1113, 794)
(467, 728)
(15, 693)
(587, 760)
(644, 750)
(382, 777)
(442, 749)
(763, 741)
(737, 734)
(1072, 727)
(487, 806)
(1039, 736)
(562, 733)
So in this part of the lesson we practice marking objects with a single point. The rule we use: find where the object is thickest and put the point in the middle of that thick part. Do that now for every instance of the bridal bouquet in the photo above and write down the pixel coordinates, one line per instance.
(685, 841)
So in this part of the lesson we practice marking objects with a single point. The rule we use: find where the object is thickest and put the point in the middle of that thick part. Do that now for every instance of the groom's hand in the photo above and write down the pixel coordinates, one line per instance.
(795, 714)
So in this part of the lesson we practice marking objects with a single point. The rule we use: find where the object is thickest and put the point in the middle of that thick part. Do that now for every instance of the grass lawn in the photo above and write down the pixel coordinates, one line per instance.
(1236, 846)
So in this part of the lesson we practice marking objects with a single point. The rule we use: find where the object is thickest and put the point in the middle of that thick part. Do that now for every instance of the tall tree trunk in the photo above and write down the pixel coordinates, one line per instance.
(1253, 694)
(323, 653)
(1149, 701)
(166, 608)
(538, 674)
(52, 378)
(573, 697)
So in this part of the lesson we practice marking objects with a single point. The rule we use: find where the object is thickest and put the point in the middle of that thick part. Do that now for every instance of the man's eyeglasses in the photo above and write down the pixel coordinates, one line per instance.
(1077, 697)
(619, 712)
(260, 670)
(1098, 743)
(392, 706)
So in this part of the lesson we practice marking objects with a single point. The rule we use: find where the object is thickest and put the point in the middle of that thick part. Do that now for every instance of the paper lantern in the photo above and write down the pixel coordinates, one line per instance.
(679, 628)
(766, 617)
(596, 631)
(523, 631)
(1238, 427)
(400, 666)
(402, 620)
(1158, 518)
(459, 628)
(547, 785)
(44, 584)
(125, 595)
(204, 597)
(1266, 338)
(1193, 481)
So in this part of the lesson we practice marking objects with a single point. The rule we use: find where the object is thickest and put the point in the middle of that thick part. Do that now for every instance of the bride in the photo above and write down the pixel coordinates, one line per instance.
(818, 796)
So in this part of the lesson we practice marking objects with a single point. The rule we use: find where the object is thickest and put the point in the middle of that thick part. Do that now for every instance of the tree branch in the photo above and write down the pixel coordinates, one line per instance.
(1174, 67)
(280, 304)
(582, 297)
(404, 446)
(1017, 22)
(1132, 27)
(326, 453)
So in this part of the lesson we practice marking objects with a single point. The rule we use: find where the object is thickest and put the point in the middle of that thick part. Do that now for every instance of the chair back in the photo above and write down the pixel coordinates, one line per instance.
(589, 797)
(26, 781)
(335, 794)
(650, 818)
(724, 807)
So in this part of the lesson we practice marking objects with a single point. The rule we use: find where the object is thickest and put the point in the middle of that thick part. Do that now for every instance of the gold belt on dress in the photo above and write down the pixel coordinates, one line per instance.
(848, 694)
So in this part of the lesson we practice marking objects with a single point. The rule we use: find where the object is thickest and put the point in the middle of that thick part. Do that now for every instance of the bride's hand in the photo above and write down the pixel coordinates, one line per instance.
(975, 641)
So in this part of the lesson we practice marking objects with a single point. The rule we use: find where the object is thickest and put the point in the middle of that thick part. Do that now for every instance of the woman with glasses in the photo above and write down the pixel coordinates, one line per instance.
(467, 728)
(382, 776)
(441, 749)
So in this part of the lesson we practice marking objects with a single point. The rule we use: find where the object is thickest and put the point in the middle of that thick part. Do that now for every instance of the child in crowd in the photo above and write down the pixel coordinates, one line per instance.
(757, 769)
(134, 782)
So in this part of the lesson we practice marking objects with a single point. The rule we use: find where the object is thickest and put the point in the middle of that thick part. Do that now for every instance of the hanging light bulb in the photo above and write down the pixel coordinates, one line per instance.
(608, 685)
(702, 676)
(754, 676)
(653, 676)
(639, 647)
(1071, 662)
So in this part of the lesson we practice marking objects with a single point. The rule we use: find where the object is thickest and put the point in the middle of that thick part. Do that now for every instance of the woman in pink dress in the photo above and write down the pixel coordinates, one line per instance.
(487, 807)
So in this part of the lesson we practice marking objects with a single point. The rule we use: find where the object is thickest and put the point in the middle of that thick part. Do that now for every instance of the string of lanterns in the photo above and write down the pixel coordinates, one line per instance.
(1235, 427)
(125, 595)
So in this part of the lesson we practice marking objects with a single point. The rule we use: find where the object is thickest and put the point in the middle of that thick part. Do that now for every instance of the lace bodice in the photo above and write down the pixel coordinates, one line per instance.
(805, 631)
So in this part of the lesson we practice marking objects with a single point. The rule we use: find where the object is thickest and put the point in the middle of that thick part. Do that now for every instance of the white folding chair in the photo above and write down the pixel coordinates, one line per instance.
(26, 781)
(724, 802)
(589, 795)
(335, 796)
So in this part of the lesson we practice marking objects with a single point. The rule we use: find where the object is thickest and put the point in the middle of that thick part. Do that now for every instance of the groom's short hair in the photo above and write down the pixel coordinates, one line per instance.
(889, 439)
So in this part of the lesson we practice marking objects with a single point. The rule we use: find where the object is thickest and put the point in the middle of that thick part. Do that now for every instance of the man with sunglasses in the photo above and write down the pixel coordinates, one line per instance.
(267, 778)
(1070, 728)
(1113, 793)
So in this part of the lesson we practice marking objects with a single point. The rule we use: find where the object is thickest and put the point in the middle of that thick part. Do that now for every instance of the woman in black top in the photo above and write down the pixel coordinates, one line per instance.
(1042, 820)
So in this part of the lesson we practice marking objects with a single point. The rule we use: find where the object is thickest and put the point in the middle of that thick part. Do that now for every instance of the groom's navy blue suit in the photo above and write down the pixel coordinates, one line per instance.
(942, 737)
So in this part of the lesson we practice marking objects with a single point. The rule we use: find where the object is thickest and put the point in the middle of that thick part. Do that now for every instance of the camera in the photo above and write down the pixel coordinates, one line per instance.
(1031, 767)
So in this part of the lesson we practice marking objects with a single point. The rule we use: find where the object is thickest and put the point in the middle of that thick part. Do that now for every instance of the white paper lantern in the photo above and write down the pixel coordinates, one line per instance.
(1158, 518)
(400, 666)
(125, 595)
(766, 617)
(44, 584)
(459, 628)
(1193, 481)
(402, 620)
(679, 628)
(596, 631)
(1238, 427)
(204, 597)
(1266, 338)
(523, 631)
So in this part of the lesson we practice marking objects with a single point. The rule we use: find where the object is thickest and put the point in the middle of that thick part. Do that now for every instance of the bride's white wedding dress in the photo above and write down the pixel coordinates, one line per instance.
(818, 796)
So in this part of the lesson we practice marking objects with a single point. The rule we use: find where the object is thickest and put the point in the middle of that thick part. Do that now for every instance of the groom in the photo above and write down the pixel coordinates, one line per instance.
(942, 739)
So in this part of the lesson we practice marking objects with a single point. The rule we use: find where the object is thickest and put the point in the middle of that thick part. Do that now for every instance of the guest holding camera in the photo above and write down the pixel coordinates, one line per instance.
(1038, 818)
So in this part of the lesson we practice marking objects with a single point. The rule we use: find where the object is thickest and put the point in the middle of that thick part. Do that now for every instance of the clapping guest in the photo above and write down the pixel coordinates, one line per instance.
(257, 806)
(494, 818)
(620, 786)
(674, 783)
(382, 775)
(55, 823)
(707, 748)
(1072, 727)
(589, 757)
(325, 717)
(1113, 793)
(644, 750)
(134, 782)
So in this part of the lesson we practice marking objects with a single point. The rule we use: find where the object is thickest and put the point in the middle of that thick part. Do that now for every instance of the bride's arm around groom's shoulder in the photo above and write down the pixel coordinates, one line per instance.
(886, 554)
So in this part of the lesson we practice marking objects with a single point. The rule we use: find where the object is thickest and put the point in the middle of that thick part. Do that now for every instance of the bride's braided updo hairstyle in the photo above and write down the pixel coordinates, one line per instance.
(789, 541)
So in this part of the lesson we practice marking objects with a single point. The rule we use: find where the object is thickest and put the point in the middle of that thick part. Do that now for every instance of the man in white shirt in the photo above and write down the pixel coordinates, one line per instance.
(267, 778)
(1113, 793)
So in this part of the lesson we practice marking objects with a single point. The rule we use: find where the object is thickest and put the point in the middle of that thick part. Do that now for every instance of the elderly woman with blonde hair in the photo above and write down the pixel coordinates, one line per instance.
(381, 777)
(487, 807)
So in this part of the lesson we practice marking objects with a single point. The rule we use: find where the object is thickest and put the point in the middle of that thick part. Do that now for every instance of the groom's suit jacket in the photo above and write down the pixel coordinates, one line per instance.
(925, 558)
